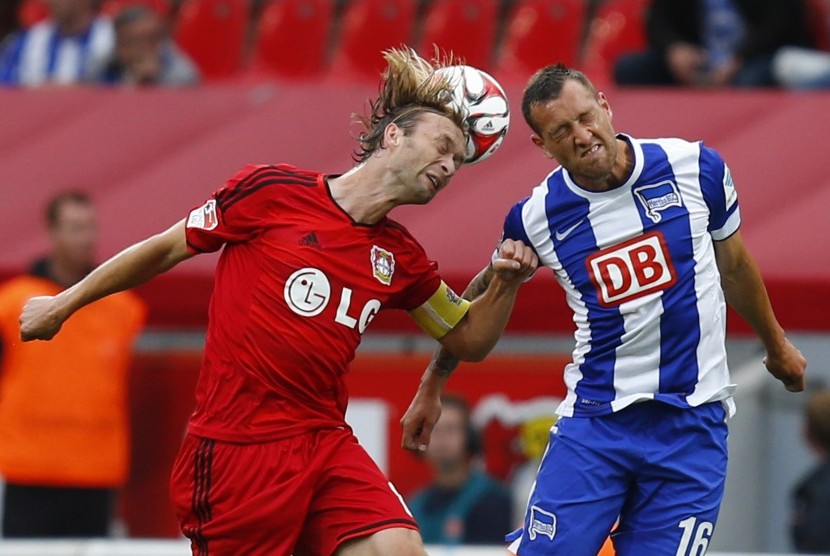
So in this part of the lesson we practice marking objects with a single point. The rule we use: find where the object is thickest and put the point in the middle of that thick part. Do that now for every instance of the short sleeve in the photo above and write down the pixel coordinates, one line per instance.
(235, 213)
(720, 194)
(514, 228)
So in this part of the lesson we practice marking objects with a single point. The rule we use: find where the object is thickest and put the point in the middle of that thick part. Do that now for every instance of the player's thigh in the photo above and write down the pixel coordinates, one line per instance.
(674, 506)
(243, 498)
(579, 492)
(353, 500)
(397, 541)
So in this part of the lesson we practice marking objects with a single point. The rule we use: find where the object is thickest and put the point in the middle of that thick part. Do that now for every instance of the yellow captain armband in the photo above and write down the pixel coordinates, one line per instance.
(441, 312)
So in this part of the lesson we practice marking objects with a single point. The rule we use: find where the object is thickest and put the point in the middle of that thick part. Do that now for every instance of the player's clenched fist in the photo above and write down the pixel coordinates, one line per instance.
(514, 261)
(39, 319)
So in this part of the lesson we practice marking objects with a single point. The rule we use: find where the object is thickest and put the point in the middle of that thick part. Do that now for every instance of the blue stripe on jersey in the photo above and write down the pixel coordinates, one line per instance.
(10, 59)
(513, 225)
(679, 323)
(54, 46)
(565, 210)
(713, 167)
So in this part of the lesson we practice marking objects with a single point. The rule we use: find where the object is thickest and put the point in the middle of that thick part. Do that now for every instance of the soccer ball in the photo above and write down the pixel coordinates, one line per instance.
(484, 102)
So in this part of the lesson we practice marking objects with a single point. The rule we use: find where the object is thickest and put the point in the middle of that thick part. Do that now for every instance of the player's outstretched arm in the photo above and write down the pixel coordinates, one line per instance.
(745, 292)
(482, 326)
(42, 317)
(492, 292)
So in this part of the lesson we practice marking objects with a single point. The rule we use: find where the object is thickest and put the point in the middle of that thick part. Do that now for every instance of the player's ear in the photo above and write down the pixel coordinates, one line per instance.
(603, 102)
(541, 144)
(392, 134)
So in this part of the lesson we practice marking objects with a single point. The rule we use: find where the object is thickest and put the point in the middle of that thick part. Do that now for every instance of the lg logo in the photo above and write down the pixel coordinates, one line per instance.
(308, 292)
(631, 269)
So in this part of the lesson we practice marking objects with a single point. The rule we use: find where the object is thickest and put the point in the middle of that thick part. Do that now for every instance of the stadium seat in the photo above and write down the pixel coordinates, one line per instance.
(292, 37)
(212, 32)
(368, 27)
(617, 28)
(112, 7)
(818, 21)
(539, 33)
(465, 27)
(31, 12)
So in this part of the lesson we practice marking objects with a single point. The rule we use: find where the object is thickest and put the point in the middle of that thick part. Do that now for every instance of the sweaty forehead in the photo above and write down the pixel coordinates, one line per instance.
(574, 100)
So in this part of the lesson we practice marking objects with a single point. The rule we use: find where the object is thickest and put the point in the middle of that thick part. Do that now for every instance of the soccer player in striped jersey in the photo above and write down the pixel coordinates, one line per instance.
(643, 236)
(269, 465)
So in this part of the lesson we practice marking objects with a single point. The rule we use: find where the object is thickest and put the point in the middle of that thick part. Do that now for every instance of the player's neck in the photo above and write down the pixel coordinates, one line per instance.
(75, 25)
(64, 273)
(453, 479)
(362, 196)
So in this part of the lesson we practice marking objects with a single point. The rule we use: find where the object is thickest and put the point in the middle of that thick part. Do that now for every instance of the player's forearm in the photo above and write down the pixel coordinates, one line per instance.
(485, 321)
(745, 291)
(129, 268)
(444, 361)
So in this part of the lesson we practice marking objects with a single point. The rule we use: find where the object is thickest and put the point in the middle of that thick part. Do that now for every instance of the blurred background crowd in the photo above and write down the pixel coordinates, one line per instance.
(701, 43)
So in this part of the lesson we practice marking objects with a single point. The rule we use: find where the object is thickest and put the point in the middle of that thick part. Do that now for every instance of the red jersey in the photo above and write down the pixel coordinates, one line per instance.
(296, 286)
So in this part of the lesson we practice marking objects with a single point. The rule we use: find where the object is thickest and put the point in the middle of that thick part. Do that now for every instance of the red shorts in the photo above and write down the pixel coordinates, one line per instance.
(304, 495)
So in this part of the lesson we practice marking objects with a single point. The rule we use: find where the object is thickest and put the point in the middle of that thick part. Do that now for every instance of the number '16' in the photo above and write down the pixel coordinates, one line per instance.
(696, 537)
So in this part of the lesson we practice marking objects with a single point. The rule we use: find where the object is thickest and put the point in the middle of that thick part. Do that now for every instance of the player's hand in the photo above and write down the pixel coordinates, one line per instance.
(419, 420)
(515, 261)
(787, 364)
(40, 319)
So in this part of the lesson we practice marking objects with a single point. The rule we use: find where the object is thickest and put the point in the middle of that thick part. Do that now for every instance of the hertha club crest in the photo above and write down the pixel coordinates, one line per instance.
(383, 264)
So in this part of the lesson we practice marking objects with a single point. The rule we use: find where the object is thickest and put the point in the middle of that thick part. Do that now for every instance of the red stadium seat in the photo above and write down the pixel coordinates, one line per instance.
(292, 37)
(31, 12)
(369, 27)
(112, 7)
(539, 33)
(818, 21)
(617, 28)
(465, 27)
(212, 32)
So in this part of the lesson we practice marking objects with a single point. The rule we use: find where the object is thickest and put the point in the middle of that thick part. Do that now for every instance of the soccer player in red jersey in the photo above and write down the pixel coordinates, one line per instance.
(269, 465)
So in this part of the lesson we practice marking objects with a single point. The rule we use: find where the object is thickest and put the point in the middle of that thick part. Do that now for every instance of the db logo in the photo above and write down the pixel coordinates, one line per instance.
(632, 269)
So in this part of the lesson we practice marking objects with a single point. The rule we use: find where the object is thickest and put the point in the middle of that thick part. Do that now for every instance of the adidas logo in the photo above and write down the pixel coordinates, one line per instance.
(310, 240)
(488, 126)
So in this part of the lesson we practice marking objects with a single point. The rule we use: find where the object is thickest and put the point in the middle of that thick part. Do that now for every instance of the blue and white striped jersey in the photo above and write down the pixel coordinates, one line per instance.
(41, 55)
(638, 268)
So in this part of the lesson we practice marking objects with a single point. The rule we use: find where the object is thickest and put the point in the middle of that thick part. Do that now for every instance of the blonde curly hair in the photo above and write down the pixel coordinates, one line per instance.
(409, 87)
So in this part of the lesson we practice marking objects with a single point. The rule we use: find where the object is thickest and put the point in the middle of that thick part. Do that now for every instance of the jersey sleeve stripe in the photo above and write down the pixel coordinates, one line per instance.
(253, 181)
(256, 187)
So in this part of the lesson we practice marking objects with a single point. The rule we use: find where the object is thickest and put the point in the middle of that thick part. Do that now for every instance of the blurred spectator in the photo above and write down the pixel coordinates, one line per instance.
(8, 18)
(145, 54)
(811, 515)
(533, 439)
(713, 42)
(462, 505)
(64, 428)
(71, 46)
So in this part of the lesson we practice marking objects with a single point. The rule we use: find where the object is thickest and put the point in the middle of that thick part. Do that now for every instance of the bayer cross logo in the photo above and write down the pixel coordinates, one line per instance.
(307, 292)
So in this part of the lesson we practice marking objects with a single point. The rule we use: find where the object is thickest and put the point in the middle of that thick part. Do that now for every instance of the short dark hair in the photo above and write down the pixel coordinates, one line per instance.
(54, 205)
(546, 84)
(818, 418)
